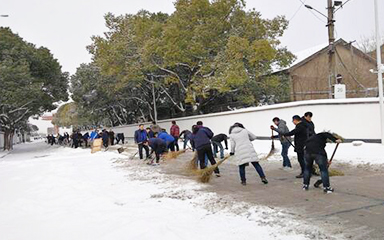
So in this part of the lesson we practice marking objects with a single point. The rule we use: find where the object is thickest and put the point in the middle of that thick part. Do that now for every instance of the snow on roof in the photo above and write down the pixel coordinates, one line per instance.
(302, 55)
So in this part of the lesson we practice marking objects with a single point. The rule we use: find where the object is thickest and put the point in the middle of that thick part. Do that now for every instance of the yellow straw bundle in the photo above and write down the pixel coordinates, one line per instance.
(173, 155)
(206, 173)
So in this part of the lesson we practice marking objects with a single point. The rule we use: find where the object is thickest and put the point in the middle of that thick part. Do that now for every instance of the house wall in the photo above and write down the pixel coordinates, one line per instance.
(310, 80)
(346, 117)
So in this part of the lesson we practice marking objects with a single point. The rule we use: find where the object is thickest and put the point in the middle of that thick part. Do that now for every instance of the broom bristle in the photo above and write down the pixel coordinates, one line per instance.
(335, 172)
(173, 155)
(206, 173)
(192, 165)
(332, 172)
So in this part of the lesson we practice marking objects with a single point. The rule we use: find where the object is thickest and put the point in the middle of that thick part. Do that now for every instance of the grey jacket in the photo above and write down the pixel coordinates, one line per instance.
(282, 129)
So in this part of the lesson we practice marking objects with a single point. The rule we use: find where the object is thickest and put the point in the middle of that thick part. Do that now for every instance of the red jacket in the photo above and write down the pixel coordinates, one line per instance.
(175, 131)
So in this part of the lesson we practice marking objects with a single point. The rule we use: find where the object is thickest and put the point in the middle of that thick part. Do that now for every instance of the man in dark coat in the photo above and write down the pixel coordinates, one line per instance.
(307, 120)
(85, 139)
(105, 137)
(112, 137)
(120, 137)
(300, 133)
(140, 139)
(216, 142)
(158, 146)
(201, 141)
(315, 151)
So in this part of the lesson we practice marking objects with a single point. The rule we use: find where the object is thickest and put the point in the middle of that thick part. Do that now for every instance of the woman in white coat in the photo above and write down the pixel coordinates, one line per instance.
(242, 148)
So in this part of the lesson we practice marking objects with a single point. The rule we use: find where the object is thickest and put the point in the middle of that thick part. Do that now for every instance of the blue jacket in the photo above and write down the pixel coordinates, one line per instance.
(93, 135)
(201, 138)
(140, 136)
(166, 137)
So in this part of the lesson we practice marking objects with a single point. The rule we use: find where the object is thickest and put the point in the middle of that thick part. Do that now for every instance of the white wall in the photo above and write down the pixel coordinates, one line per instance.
(351, 118)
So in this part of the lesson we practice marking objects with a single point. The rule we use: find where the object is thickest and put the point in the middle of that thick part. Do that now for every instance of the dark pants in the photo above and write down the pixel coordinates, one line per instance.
(206, 150)
(176, 143)
(75, 143)
(118, 140)
(216, 146)
(171, 146)
(284, 154)
(186, 140)
(105, 142)
(300, 158)
(141, 146)
(112, 140)
(160, 150)
(322, 161)
(257, 166)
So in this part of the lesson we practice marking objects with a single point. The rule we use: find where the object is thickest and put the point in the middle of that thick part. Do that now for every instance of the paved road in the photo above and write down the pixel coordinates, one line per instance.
(356, 209)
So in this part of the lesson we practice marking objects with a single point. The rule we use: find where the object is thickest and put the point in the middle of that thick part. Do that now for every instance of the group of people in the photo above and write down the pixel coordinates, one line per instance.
(77, 139)
(309, 146)
(158, 139)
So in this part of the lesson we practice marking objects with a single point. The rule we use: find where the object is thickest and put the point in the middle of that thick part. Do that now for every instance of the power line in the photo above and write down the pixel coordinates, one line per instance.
(342, 5)
(298, 10)
(303, 4)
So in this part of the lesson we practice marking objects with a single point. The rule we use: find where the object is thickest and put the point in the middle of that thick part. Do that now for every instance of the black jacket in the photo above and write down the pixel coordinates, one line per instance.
(300, 133)
(310, 127)
(221, 137)
(158, 145)
(316, 144)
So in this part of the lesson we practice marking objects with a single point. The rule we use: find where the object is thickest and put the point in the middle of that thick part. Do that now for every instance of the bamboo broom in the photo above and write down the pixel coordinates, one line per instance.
(173, 155)
(273, 149)
(206, 173)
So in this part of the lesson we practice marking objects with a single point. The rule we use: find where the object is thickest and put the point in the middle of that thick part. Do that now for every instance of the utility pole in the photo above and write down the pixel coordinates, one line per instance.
(331, 51)
(154, 100)
(379, 69)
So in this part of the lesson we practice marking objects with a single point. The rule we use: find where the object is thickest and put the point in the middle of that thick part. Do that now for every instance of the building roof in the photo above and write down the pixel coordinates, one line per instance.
(304, 56)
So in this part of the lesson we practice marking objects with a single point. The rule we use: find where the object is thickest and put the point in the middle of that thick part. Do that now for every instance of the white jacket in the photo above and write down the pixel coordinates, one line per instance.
(241, 145)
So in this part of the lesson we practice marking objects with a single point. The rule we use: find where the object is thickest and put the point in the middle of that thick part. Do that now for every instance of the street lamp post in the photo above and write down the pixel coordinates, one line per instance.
(379, 69)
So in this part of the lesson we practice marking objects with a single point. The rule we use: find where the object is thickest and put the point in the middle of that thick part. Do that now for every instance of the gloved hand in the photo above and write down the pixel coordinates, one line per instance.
(231, 154)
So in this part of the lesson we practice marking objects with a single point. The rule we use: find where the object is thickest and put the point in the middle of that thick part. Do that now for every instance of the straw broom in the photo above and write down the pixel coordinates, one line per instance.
(192, 165)
(173, 155)
(273, 149)
(206, 173)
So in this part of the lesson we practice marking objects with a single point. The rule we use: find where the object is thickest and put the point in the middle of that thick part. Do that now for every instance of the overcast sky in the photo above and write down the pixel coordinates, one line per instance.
(65, 27)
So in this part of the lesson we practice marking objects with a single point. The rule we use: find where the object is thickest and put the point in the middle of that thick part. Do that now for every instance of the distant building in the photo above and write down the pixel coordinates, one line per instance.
(309, 77)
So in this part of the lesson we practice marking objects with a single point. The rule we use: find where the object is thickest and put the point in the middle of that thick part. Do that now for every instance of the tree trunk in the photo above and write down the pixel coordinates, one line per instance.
(8, 140)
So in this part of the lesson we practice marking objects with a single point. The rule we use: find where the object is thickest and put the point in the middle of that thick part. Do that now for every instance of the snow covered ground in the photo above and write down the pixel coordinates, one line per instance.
(61, 193)
(50, 192)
